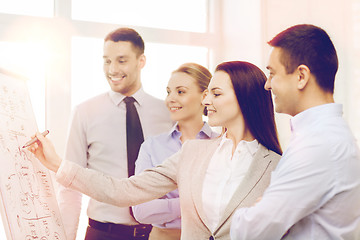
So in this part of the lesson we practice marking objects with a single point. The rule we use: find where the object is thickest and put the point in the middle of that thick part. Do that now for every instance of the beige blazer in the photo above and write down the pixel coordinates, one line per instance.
(184, 170)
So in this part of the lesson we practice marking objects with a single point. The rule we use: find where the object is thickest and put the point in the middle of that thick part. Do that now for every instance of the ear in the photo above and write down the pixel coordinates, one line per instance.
(142, 60)
(303, 76)
(204, 94)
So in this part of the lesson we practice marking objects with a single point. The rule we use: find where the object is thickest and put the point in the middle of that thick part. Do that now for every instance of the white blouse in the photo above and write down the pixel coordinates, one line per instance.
(224, 175)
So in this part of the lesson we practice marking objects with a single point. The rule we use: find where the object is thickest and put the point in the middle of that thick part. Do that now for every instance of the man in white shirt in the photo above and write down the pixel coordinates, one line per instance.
(315, 190)
(97, 137)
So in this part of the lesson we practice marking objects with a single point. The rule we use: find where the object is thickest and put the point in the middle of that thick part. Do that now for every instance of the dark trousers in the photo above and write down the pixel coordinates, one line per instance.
(109, 231)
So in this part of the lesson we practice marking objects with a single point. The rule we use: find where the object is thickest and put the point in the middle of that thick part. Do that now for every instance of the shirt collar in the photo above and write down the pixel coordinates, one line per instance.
(204, 133)
(252, 146)
(174, 132)
(117, 97)
(312, 115)
(206, 130)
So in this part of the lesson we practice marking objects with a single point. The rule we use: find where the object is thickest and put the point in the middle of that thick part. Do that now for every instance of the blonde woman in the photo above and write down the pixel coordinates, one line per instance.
(185, 93)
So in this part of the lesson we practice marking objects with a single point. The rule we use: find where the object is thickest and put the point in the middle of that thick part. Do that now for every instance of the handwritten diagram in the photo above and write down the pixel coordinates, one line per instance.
(29, 206)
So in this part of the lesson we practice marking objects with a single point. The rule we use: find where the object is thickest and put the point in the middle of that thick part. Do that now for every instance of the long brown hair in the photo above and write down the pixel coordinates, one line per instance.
(255, 102)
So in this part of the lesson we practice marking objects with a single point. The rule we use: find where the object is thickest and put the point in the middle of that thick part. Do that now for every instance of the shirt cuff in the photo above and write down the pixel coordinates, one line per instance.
(66, 173)
(175, 206)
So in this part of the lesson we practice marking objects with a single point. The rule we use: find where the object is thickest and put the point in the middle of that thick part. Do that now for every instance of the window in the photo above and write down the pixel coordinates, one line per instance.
(87, 78)
(87, 65)
(41, 8)
(184, 15)
(28, 60)
(158, 68)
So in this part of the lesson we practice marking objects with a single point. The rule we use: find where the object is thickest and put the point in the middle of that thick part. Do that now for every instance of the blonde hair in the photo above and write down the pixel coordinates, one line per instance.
(201, 74)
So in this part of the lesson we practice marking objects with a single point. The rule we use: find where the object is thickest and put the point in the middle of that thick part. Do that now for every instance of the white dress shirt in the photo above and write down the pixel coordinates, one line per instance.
(223, 176)
(97, 140)
(315, 190)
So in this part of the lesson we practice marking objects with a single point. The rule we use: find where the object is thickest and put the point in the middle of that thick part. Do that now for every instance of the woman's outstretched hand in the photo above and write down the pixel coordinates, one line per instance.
(44, 150)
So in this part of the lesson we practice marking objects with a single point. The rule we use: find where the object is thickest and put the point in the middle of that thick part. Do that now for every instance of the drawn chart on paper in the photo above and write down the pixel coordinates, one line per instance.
(28, 205)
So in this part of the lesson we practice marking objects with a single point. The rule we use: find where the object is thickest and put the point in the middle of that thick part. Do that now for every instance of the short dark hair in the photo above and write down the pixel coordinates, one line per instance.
(127, 35)
(254, 101)
(309, 45)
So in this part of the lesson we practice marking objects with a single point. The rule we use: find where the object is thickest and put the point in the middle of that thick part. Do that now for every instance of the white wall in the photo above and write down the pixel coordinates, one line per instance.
(248, 25)
(242, 31)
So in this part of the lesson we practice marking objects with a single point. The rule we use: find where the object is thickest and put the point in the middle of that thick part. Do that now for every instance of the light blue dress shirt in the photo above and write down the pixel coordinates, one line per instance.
(315, 190)
(165, 212)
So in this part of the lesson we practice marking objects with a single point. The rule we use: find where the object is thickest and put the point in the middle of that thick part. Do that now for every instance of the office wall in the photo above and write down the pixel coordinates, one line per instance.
(248, 25)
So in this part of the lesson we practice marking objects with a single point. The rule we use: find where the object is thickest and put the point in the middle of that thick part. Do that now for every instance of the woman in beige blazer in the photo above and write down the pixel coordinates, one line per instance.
(214, 177)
